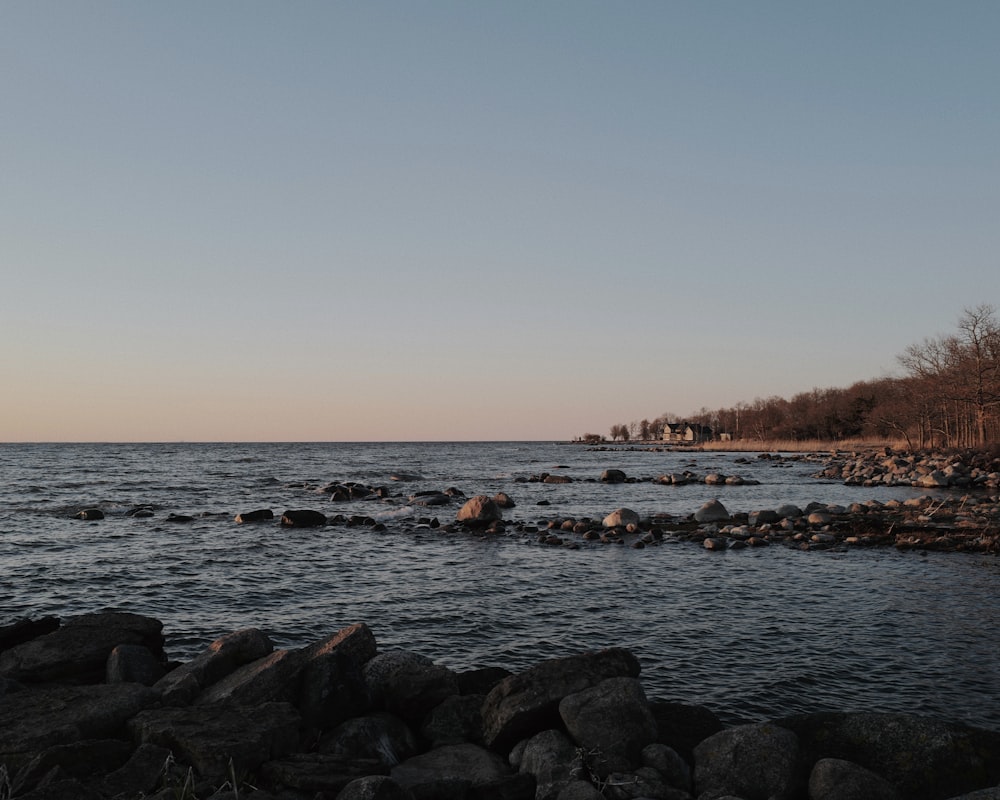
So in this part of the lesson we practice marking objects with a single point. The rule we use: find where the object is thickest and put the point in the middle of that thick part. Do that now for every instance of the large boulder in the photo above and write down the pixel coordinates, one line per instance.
(754, 762)
(220, 658)
(526, 703)
(380, 736)
(479, 510)
(683, 726)
(621, 518)
(212, 738)
(459, 771)
(612, 719)
(269, 679)
(303, 518)
(552, 760)
(835, 779)
(712, 511)
(407, 684)
(32, 721)
(77, 652)
(925, 759)
(613, 476)
(333, 686)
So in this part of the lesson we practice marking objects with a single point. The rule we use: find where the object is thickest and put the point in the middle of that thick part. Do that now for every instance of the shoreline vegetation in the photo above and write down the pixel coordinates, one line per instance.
(948, 396)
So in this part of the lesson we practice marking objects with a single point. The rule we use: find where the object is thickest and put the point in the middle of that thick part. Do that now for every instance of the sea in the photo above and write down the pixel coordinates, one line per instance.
(753, 634)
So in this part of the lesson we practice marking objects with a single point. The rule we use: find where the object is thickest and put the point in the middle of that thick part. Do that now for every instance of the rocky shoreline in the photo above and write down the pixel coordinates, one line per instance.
(91, 708)
(960, 513)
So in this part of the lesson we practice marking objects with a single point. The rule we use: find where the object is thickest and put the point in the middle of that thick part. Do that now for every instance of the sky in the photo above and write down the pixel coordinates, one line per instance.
(380, 221)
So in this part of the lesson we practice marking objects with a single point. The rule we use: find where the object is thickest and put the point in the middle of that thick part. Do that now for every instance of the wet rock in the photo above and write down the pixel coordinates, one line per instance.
(620, 518)
(303, 518)
(260, 515)
(613, 476)
(503, 500)
(479, 510)
(755, 762)
(89, 514)
(528, 702)
(712, 511)
(77, 652)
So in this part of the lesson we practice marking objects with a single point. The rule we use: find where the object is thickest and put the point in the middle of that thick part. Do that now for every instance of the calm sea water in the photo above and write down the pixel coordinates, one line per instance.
(753, 634)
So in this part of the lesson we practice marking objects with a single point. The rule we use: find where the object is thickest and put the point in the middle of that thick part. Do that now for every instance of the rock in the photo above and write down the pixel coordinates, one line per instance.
(24, 630)
(620, 518)
(380, 737)
(304, 518)
(712, 511)
(428, 499)
(481, 680)
(682, 726)
(528, 702)
(34, 720)
(259, 515)
(455, 720)
(454, 771)
(479, 510)
(766, 517)
(643, 784)
(78, 760)
(207, 738)
(220, 658)
(553, 761)
(834, 779)
(333, 686)
(755, 762)
(133, 663)
(374, 787)
(668, 762)
(407, 684)
(613, 476)
(613, 719)
(140, 775)
(924, 759)
(314, 775)
(268, 679)
(90, 514)
(557, 479)
(503, 500)
(580, 790)
(77, 652)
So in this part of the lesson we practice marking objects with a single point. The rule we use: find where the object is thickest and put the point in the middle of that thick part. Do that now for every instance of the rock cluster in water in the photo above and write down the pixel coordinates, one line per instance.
(963, 514)
(91, 709)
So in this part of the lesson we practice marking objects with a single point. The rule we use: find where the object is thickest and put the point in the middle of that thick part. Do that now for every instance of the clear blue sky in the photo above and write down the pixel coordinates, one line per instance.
(455, 220)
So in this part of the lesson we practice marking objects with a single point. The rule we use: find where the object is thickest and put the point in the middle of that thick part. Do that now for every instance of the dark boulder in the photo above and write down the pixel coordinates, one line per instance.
(220, 658)
(77, 652)
(613, 476)
(303, 518)
(754, 762)
(89, 514)
(682, 726)
(260, 515)
(381, 737)
(24, 630)
(407, 684)
(333, 686)
(134, 663)
(834, 779)
(612, 718)
(528, 702)
(925, 759)
(209, 738)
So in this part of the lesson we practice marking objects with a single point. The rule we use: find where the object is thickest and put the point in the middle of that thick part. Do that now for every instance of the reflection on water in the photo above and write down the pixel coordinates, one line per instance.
(752, 633)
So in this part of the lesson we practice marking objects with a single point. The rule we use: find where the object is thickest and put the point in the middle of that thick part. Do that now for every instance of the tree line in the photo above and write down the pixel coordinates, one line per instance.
(948, 395)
